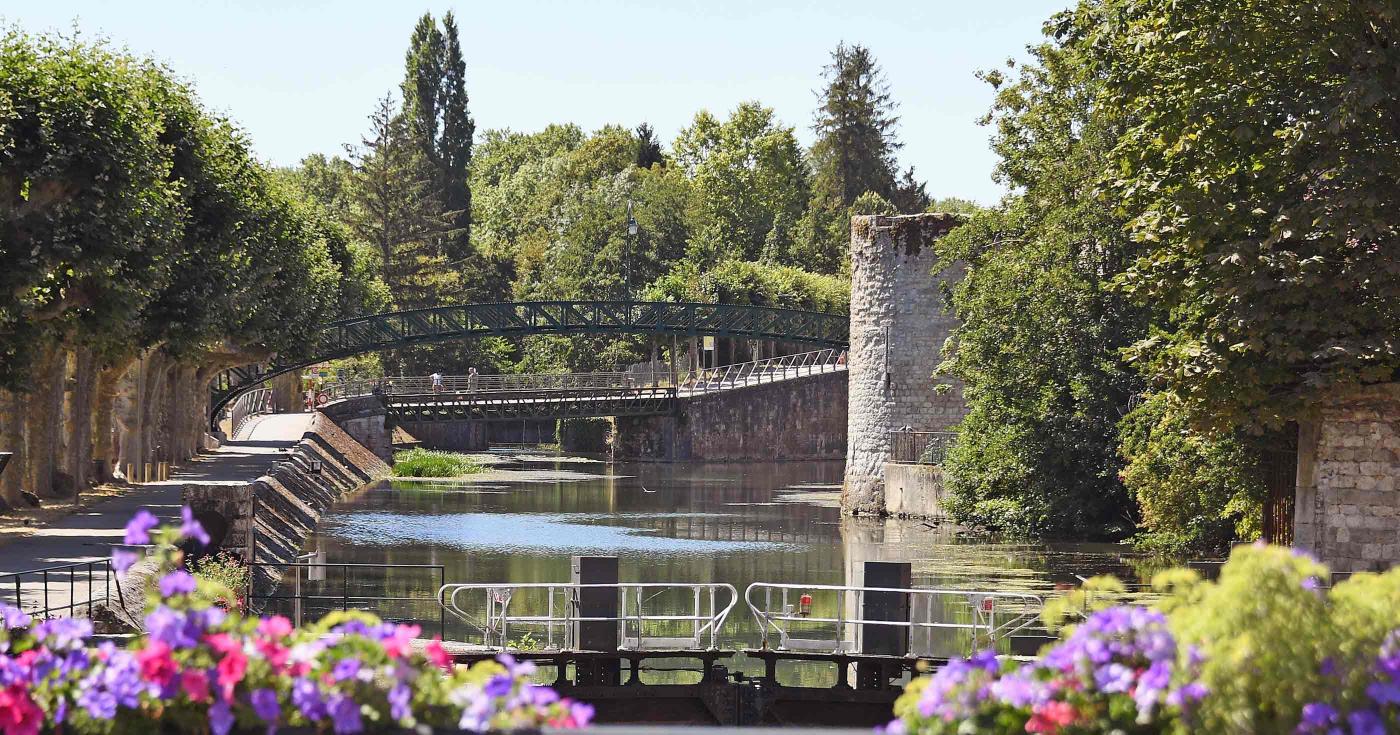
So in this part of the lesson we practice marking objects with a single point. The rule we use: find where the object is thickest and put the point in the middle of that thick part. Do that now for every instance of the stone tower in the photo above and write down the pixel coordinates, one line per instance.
(898, 326)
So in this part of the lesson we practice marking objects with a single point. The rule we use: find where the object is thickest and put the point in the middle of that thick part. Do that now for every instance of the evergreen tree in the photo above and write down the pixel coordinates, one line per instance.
(648, 147)
(855, 148)
(435, 107)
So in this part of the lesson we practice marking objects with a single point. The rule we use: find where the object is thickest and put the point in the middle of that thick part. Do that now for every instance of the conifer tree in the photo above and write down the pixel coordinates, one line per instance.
(855, 124)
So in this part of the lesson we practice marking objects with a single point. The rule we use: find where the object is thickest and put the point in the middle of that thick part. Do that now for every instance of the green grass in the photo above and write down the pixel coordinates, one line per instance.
(429, 463)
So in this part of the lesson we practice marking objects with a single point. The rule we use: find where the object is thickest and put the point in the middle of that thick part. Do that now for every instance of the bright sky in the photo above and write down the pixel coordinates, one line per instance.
(302, 76)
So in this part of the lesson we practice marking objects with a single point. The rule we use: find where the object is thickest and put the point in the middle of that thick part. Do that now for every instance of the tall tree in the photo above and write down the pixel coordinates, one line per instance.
(435, 106)
(855, 123)
(648, 147)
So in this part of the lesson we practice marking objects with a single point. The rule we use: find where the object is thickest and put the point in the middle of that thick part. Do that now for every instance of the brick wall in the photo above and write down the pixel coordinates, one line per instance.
(1348, 505)
(898, 326)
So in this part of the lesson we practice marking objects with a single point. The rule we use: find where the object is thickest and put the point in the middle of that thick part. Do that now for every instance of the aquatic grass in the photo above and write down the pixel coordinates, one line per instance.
(430, 463)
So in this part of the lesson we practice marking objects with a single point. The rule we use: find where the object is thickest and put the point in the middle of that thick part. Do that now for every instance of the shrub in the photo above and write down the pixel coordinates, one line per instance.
(201, 669)
(429, 463)
(228, 572)
(1263, 649)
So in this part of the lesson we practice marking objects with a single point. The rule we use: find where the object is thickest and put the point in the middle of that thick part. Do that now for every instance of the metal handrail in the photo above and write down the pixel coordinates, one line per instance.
(707, 613)
(921, 447)
(344, 600)
(701, 381)
(987, 623)
(250, 404)
(48, 577)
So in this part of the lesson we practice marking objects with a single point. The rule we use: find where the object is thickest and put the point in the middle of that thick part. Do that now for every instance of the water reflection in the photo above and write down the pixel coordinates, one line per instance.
(733, 523)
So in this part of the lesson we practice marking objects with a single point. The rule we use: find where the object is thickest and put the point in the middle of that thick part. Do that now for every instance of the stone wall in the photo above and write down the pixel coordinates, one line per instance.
(913, 490)
(898, 326)
(366, 420)
(460, 436)
(801, 418)
(271, 518)
(1348, 506)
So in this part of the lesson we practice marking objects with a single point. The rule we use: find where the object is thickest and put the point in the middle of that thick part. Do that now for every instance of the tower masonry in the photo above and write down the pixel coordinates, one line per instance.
(898, 326)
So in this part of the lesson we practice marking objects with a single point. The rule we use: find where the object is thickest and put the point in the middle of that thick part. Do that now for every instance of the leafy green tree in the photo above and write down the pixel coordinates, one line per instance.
(1259, 171)
(1038, 350)
(649, 151)
(748, 183)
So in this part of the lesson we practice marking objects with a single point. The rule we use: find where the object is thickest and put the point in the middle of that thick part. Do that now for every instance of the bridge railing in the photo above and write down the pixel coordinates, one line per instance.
(706, 380)
(250, 404)
(828, 618)
(650, 615)
(767, 370)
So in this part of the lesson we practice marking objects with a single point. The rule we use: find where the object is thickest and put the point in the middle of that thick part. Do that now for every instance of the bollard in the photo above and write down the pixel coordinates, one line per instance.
(597, 635)
(885, 640)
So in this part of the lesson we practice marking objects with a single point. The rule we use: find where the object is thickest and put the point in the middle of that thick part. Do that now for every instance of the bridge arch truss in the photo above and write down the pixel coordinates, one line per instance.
(393, 330)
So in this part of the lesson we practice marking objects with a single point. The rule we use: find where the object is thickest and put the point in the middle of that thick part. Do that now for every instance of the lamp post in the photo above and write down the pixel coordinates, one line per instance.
(626, 266)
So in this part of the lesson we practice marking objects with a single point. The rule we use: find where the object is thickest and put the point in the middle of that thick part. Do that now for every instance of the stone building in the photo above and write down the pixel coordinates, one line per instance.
(898, 327)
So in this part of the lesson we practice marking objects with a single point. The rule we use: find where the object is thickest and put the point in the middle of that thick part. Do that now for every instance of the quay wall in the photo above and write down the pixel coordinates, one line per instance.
(269, 519)
(898, 326)
(797, 419)
(913, 490)
(1347, 504)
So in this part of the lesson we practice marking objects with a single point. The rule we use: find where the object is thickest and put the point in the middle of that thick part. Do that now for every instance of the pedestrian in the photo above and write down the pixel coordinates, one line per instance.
(471, 379)
(437, 382)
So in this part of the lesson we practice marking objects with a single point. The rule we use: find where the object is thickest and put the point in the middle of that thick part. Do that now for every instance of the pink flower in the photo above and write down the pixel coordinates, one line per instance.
(18, 713)
(231, 666)
(401, 642)
(275, 627)
(157, 666)
(1051, 716)
(195, 682)
(437, 654)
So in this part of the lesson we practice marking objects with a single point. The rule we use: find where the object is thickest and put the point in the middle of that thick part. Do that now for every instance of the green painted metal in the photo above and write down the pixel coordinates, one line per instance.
(514, 405)
(359, 335)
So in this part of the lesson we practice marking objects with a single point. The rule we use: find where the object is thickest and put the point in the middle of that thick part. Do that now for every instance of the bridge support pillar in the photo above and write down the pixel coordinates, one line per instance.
(898, 326)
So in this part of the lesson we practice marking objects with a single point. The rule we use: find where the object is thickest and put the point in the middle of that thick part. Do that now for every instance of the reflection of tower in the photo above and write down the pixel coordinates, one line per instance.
(898, 327)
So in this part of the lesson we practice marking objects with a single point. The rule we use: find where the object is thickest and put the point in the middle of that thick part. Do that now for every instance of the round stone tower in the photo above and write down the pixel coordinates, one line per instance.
(898, 326)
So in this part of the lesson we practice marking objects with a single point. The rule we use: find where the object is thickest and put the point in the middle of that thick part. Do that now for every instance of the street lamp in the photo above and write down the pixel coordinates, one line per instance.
(626, 266)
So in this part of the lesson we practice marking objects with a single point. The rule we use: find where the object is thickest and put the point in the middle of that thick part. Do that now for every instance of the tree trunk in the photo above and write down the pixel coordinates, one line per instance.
(12, 440)
(41, 420)
(80, 418)
(130, 449)
(103, 424)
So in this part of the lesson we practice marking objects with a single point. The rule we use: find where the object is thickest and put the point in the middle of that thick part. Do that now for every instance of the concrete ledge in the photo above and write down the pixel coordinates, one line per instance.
(913, 490)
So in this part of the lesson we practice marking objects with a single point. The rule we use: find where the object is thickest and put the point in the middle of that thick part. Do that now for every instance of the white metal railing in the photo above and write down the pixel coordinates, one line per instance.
(767, 370)
(705, 380)
(985, 616)
(250, 404)
(550, 610)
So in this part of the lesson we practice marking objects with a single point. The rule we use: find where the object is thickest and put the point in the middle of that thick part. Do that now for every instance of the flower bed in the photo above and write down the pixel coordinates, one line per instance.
(1265, 649)
(201, 669)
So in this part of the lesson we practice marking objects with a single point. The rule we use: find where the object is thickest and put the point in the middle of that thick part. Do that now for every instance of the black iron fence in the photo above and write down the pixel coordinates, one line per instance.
(308, 590)
(64, 590)
(920, 447)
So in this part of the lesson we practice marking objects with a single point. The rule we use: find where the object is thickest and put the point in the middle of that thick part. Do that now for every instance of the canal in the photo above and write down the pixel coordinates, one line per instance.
(731, 523)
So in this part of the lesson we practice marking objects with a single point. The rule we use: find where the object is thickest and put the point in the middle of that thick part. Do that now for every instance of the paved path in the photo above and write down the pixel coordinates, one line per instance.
(90, 534)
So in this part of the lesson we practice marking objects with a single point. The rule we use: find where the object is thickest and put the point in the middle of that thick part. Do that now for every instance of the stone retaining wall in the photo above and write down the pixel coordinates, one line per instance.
(1348, 505)
(365, 419)
(913, 490)
(799, 418)
(269, 519)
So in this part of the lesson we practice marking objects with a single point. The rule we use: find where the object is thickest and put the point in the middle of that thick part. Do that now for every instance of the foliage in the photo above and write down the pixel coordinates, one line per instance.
(1258, 171)
(748, 184)
(226, 572)
(1196, 490)
(201, 669)
(1263, 649)
(758, 284)
(855, 122)
(430, 463)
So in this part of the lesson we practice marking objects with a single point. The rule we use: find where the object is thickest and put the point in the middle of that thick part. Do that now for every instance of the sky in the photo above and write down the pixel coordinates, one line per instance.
(301, 77)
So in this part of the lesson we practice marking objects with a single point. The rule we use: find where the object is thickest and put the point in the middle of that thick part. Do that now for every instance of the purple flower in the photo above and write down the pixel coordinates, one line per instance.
(1309, 584)
(582, 713)
(178, 582)
(1365, 722)
(1384, 692)
(265, 705)
(220, 718)
(14, 617)
(123, 559)
(345, 668)
(499, 686)
(138, 529)
(1317, 717)
(399, 697)
(1114, 678)
(62, 634)
(173, 627)
(306, 697)
(190, 528)
(345, 715)
(115, 683)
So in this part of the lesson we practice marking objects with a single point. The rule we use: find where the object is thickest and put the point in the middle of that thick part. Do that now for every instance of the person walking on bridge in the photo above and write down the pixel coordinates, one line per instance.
(471, 379)
(437, 382)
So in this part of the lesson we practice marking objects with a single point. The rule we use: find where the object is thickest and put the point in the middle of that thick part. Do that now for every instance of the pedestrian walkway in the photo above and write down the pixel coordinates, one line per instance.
(91, 534)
